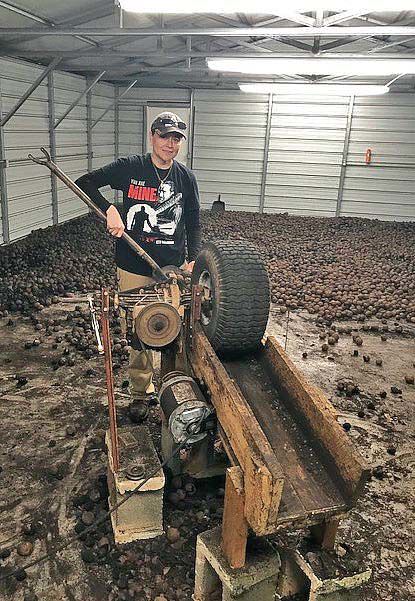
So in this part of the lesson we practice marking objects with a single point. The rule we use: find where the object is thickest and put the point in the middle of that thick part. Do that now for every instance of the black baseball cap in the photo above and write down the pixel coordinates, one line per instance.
(166, 123)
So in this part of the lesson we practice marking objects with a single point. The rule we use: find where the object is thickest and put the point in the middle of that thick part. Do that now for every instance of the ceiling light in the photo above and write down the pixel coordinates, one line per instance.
(317, 89)
(314, 66)
(266, 7)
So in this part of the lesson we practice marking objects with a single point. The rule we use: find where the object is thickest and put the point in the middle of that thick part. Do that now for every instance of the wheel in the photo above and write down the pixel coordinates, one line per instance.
(236, 301)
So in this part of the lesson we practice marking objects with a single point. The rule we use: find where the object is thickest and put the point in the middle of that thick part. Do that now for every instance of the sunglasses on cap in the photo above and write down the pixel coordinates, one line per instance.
(166, 122)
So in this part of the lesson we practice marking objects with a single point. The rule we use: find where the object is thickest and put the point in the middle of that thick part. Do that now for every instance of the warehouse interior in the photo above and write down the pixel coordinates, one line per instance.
(314, 169)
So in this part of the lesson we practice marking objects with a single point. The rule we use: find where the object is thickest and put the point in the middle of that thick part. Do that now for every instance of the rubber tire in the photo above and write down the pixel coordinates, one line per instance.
(240, 292)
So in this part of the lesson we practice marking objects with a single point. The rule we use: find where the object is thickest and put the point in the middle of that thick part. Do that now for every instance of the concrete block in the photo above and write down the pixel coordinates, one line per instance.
(141, 515)
(256, 581)
(297, 575)
(291, 579)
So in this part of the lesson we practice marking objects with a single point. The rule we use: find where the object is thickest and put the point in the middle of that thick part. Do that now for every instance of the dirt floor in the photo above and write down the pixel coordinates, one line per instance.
(53, 412)
(382, 425)
(52, 464)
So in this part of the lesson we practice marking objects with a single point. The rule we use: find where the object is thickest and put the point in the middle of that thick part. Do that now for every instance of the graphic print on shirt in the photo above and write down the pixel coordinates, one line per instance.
(156, 222)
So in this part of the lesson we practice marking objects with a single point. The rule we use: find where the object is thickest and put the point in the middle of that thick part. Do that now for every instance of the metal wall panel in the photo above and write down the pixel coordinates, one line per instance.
(228, 147)
(103, 133)
(28, 189)
(130, 127)
(29, 186)
(305, 155)
(70, 135)
(385, 188)
(304, 158)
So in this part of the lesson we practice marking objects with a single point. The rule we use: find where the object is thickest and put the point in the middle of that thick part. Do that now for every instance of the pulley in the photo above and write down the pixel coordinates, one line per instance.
(157, 324)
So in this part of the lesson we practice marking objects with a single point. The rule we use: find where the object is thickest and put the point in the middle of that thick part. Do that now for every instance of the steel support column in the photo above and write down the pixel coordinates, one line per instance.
(116, 134)
(52, 145)
(89, 129)
(144, 136)
(78, 100)
(3, 184)
(30, 91)
(344, 157)
(190, 143)
(116, 101)
(117, 124)
(266, 152)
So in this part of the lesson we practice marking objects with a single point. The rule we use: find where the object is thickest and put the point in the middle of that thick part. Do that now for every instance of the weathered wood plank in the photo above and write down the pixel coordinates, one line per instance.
(263, 476)
(307, 486)
(234, 525)
(313, 410)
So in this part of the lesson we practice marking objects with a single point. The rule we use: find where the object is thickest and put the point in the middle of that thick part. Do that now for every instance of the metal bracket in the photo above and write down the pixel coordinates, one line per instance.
(114, 103)
(78, 100)
(30, 91)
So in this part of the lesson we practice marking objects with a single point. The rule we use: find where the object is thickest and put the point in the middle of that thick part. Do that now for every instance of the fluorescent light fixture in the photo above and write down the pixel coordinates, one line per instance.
(314, 66)
(266, 7)
(317, 89)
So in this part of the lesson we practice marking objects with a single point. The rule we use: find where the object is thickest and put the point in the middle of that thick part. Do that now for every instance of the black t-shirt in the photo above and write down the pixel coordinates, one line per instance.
(160, 209)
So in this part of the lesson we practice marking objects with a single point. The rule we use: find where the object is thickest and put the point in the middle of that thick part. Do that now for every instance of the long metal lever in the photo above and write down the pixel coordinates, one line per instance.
(159, 275)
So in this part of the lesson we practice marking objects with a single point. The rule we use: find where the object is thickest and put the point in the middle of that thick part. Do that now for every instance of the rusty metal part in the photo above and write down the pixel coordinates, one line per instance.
(157, 324)
(158, 273)
(135, 472)
(129, 301)
(105, 325)
(195, 310)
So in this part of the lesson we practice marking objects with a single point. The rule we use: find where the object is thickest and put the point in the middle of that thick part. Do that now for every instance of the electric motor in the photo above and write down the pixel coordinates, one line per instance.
(185, 408)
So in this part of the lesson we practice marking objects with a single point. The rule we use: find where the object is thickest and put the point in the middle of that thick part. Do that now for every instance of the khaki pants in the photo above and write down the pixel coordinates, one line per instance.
(140, 370)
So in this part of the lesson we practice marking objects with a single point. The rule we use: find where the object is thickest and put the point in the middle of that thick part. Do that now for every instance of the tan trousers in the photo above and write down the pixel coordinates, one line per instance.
(140, 371)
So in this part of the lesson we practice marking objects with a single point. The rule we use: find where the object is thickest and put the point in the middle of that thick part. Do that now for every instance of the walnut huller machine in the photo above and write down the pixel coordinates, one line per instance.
(288, 462)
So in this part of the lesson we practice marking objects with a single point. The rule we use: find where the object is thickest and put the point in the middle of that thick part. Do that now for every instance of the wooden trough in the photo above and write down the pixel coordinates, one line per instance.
(294, 465)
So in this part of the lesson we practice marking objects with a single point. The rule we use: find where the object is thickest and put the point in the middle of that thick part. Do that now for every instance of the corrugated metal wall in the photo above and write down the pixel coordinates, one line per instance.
(305, 155)
(103, 133)
(28, 187)
(71, 141)
(29, 190)
(130, 127)
(303, 171)
(228, 147)
(386, 188)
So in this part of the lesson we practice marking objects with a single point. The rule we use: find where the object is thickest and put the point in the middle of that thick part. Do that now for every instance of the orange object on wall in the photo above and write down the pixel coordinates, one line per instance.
(368, 156)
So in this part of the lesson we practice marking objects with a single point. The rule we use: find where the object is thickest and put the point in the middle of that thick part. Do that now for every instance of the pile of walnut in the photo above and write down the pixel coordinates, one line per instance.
(338, 268)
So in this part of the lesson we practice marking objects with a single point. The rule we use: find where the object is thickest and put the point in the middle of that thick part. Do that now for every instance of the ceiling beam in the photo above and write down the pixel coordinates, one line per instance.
(391, 45)
(263, 22)
(295, 17)
(25, 13)
(342, 42)
(346, 15)
(184, 54)
(86, 17)
(257, 43)
(35, 17)
(291, 32)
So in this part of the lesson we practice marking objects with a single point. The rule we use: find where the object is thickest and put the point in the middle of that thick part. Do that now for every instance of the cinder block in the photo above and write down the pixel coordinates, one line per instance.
(291, 579)
(140, 516)
(297, 575)
(256, 581)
